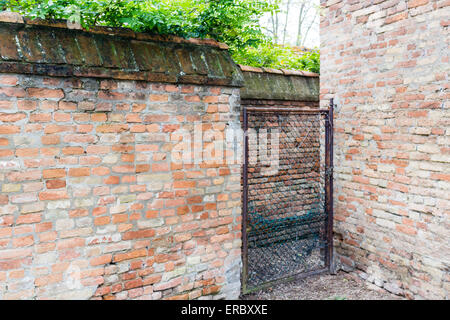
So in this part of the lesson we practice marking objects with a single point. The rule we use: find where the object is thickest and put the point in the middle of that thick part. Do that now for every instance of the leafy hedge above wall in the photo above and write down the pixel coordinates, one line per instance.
(234, 22)
(269, 55)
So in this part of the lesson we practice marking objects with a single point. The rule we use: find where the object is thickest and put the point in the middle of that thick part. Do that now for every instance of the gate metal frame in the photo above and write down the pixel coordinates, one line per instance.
(329, 125)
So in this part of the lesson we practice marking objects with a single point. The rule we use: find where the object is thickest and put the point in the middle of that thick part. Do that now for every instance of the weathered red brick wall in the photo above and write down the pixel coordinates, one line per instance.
(387, 65)
(93, 202)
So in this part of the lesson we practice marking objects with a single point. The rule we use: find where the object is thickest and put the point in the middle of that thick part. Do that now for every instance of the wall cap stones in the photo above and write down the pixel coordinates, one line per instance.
(287, 72)
(285, 85)
(61, 48)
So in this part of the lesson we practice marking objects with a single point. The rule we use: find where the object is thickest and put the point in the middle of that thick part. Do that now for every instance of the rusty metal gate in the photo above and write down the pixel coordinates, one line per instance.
(287, 194)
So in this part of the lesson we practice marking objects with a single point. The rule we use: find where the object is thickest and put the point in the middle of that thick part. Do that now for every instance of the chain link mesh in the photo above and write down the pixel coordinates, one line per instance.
(286, 217)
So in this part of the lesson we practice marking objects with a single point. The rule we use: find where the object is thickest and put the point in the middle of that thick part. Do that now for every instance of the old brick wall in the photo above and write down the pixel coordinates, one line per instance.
(93, 203)
(387, 65)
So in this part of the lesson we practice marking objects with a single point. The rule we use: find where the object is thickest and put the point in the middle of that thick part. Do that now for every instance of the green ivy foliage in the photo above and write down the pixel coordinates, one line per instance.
(269, 55)
(234, 22)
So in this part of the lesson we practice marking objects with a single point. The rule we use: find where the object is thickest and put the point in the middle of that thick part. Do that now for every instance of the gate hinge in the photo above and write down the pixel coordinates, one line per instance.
(329, 172)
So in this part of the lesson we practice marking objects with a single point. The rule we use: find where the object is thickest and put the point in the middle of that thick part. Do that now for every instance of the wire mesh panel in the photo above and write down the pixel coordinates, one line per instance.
(285, 193)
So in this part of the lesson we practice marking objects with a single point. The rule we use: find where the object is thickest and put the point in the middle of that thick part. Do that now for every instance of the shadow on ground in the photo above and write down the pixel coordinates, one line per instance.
(343, 286)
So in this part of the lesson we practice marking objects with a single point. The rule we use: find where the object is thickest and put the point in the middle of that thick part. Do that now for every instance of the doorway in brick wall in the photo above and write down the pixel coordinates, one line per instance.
(287, 200)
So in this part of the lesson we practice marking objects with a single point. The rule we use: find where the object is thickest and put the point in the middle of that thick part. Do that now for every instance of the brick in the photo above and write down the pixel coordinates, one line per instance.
(51, 140)
(9, 129)
(55, 184)
(112, 128)
(159, 97)
(130, 255)
(15, 253)
(72, 150)
(70, 243)
(184, 184)
(53, 173)
(29, 218)
(53, 195)
(45, 93)
(167, 285)
(147, 233)
(4, 142)
(6, 153)
(23, 241)
(24, 176)
(101, 221)
(105, 259)
(417, 3)
(183, 210)
(12, 117)
(13, 92)
(27, 152)
(79, 172)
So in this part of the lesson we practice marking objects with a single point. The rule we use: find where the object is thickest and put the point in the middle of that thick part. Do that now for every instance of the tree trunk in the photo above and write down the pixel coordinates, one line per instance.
(307, 30)
(286, 21)
(300, 24)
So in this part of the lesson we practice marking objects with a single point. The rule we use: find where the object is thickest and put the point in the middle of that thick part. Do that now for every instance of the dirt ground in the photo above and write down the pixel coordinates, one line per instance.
(343, 286)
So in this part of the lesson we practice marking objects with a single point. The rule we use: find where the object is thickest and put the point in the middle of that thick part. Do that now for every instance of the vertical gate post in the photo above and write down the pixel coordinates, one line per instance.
(245, 204)
(329, 183)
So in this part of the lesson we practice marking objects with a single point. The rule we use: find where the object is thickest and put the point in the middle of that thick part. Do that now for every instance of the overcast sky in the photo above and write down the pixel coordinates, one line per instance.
(312, 40)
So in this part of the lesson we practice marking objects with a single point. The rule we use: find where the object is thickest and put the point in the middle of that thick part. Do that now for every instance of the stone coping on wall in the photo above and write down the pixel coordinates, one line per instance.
(59, 48)
(286, 72)
(273, 84)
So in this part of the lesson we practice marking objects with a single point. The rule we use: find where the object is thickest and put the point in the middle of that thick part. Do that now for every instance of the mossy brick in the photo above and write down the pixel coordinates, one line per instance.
(214, 66)
(14, 67)
(141, 55)
(8, 46)
(113, 31)
(88, 49)
(171, 62)
(193, 78)
(272, 86)
(69, 47)
(222, 81)
(56, 23)
(52, 70)
(107, 50)
(160, 77)
(29, 45)
(198, 60)
(282, 87)
(156, 55)
(124, 54)
(185, 61)
(306, 86)
(51, 48)
(226, 64)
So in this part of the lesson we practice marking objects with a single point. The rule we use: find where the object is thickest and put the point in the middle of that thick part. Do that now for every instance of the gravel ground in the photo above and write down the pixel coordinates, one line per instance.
(343, 286)
(283, 259)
